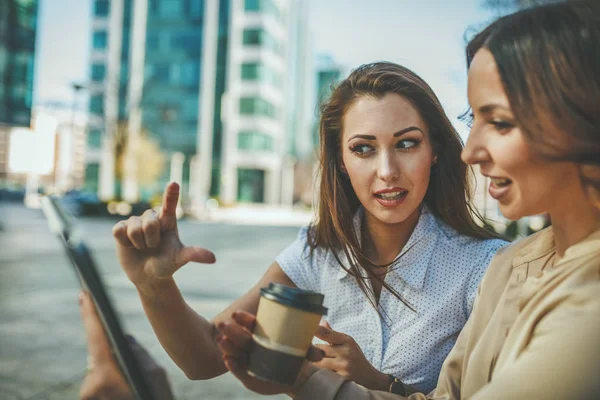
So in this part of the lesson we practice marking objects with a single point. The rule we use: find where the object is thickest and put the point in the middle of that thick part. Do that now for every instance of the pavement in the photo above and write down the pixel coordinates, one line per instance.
(42, 345)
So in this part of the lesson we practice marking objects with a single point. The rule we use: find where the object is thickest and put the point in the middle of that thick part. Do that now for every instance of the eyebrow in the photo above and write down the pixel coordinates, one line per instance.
(488, 108)
(399, 133)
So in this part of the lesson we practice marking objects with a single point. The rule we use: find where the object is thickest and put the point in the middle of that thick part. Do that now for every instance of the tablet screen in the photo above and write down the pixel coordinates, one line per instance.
(62, 224)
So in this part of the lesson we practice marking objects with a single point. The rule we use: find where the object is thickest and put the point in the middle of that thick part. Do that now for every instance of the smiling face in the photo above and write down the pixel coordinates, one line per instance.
(522, 182)
(387, 155)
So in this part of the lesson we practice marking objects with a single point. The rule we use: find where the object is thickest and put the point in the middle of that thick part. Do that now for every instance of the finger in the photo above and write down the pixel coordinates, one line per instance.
(325, 324)
(170, 199)
(194, 254)
(120, 234)
(151, 229)
(328, 350)
(314, 354)
(237, 368)
(135, 233)
(97, 342)
(331, 336)
(228, 348)
(245, 319)
(332, 364)
(236, 333)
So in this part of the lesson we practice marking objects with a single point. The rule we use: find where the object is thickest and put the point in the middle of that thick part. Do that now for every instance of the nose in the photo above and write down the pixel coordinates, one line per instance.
(475, 151)
(388, 168)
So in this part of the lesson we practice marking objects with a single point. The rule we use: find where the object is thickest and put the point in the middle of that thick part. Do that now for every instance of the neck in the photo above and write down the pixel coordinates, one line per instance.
(382, 242)
(572, 221)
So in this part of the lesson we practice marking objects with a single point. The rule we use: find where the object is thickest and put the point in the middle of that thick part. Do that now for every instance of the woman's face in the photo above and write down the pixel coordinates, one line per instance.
(387, 155)
(522, 182)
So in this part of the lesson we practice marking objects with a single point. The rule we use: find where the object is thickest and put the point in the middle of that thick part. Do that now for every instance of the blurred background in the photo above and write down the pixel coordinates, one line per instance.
(103, 102)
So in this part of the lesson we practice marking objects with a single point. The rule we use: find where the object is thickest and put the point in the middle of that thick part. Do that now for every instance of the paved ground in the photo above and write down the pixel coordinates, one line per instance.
(42, 347)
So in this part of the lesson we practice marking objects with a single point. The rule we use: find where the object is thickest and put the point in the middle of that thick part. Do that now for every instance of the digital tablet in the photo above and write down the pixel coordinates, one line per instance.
(62, 224)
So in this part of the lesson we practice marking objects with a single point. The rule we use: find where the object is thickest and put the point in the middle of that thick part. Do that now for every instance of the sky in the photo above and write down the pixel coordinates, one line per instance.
(427, 36)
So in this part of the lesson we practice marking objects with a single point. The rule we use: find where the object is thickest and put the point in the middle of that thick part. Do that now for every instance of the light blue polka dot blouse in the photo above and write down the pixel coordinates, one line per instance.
(438, 275)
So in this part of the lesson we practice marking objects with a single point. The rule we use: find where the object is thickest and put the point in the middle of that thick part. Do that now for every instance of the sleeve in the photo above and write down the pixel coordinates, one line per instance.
(478, 272)
(562, 359)
(299, 264)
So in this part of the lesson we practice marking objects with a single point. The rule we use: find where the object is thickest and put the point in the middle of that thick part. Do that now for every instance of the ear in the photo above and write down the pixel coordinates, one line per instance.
(435, 160)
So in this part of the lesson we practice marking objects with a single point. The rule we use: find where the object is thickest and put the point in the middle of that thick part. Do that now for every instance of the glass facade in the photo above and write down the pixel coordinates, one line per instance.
(94, 138)
(100, 40)
(98, 72)
(257, 106)
(260, 72)
(261, 37)
(18, 24)
(92, 173)
(254, 141)
(251, 185)
(101, 8)
(264, 6)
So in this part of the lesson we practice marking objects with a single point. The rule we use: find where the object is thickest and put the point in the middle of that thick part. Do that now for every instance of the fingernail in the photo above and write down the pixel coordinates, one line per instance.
(81, 297)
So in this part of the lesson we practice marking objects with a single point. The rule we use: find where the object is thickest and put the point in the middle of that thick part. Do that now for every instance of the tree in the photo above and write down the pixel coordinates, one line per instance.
(148, 156)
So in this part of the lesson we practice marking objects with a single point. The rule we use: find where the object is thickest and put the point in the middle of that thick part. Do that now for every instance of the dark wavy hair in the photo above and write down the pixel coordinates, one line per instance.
(448, 195)
(548, 58)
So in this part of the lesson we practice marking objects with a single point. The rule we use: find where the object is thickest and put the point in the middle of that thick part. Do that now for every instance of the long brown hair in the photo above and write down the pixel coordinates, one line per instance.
(447, 197)
(548, 58)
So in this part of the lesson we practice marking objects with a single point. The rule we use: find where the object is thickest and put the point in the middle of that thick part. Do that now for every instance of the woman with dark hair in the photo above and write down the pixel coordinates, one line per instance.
(534, 88)
(395, 248)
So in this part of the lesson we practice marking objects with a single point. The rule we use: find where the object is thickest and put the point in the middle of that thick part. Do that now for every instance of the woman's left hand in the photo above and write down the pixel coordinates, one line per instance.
(344, 356)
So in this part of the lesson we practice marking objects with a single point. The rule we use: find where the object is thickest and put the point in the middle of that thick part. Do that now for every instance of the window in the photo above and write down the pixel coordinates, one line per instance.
(251, 140)
(97, 104)
(170, 8)
(98, 72)
(256, 71)
(191, 42)
(265, 6)
(101, 8)
(152, 41)
(257, 106)
(196, 9)
(260, 37)
(94, 138)
(100, 40)
(161, 72)
(92, 171)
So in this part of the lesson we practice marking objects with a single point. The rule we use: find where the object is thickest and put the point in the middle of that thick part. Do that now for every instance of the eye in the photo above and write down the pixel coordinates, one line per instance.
(501, 126)
(361, 149)
(407, 144)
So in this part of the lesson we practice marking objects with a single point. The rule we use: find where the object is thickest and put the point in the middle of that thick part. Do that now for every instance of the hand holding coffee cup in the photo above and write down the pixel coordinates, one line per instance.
(235, 343)
(286, 322)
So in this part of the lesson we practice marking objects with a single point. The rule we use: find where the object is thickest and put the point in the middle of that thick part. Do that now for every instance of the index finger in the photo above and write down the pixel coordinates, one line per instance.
(170, 199)
(97, 342)
(330, 336)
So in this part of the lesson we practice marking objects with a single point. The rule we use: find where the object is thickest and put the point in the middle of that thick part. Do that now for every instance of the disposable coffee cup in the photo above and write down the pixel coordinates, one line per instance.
(286, 321)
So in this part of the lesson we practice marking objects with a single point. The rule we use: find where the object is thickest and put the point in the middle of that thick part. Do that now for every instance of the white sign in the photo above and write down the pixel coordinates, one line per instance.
(32, 151)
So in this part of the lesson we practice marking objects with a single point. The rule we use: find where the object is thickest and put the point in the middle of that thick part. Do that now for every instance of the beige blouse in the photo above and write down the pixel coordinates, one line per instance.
(534, 332)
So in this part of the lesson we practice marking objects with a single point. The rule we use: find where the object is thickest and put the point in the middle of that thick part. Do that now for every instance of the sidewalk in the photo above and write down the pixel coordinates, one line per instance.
(257, 214)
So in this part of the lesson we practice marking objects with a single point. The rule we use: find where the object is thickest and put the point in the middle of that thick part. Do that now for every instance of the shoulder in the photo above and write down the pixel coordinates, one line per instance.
(467, 245)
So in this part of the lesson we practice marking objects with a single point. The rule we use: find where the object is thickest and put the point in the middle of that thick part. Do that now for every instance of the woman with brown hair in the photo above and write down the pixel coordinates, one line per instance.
(534, 88)
(395, 248)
